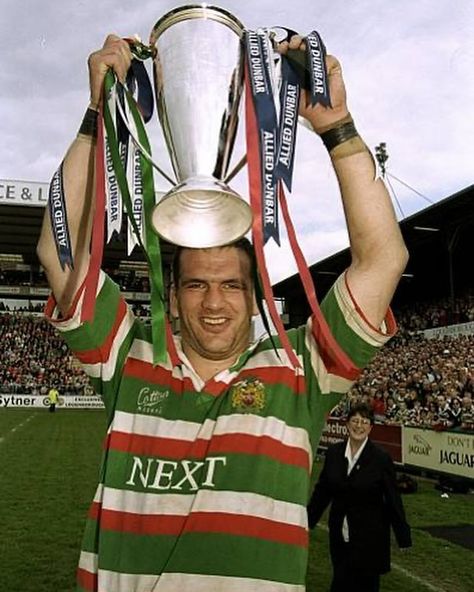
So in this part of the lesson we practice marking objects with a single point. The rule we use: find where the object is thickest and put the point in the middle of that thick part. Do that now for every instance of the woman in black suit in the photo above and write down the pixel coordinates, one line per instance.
(358, 480)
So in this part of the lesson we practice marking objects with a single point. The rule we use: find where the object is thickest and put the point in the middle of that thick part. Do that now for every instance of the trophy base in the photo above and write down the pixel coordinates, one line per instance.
(201, 213)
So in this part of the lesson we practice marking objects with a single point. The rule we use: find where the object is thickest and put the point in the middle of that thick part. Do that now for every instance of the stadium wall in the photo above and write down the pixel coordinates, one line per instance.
(34, 401)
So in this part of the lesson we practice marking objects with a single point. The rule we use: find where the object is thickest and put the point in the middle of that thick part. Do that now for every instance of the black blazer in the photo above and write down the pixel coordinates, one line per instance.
(369, 498)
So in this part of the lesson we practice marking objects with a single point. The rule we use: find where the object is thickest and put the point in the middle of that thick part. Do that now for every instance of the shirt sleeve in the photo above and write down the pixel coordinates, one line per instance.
(337, 348)
(102, 344)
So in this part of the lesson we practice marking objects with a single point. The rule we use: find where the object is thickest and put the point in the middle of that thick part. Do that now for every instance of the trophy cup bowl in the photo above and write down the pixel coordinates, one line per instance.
(198, 72)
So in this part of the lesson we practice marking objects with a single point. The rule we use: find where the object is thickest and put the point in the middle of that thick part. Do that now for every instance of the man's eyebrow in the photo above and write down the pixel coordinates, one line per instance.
(187, 280)
(230, 280)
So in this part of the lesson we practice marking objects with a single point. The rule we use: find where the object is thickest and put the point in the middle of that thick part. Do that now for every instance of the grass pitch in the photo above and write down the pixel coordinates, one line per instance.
(49, 470)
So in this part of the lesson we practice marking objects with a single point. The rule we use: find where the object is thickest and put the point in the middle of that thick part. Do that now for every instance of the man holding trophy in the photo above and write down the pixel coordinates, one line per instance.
(207, 469)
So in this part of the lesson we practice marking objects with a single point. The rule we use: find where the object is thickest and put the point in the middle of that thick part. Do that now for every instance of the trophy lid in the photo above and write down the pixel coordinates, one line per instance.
(193, 11)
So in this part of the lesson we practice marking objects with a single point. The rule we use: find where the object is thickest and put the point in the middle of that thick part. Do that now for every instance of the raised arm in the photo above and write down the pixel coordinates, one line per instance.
(78, 171)
(379, 255)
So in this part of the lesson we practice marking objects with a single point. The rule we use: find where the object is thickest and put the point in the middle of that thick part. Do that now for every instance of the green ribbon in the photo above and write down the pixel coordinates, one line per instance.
(151, 248)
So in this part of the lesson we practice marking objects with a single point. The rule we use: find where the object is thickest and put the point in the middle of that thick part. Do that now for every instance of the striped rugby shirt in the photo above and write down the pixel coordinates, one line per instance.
(204, 486)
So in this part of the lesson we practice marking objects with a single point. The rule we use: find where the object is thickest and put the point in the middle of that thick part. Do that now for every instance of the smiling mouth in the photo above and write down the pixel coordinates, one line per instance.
(215, 322)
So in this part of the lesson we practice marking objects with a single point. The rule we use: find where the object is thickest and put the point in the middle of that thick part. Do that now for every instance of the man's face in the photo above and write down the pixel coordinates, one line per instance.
(214, 301)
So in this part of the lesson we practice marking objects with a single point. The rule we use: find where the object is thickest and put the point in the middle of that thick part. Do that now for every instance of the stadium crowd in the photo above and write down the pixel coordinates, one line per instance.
(414, 380)
(35, 358)
(420, 382)
(447, 311)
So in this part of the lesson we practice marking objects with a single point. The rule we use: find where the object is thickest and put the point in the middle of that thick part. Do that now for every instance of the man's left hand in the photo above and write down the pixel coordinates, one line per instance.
(320, 117)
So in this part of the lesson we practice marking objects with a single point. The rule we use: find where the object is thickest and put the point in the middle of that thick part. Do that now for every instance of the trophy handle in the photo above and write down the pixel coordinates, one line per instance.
(238, 167)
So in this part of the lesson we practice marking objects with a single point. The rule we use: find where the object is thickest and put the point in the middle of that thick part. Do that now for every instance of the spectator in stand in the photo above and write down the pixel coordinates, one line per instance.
(403, 413)
(467, 414)
(391, 411)
(427, 315)
(414, 414)
(432, 414)
(455, 412)
(444, 412)
(378, 407)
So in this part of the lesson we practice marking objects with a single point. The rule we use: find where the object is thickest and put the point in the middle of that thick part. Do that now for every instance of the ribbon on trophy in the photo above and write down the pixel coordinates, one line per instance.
(289, 106)
(120, 165)
(261, 125)
(113, 196)
(259, 162)
(138, 83)
(58, 217)
(258, 68)
(333, 356)
(143, 186)
(316, 59)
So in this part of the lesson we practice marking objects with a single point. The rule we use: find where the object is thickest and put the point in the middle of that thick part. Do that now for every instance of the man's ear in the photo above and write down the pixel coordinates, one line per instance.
(173, 302)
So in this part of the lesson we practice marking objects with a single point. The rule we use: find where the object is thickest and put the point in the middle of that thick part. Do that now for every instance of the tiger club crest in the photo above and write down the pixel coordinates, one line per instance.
(248, 396)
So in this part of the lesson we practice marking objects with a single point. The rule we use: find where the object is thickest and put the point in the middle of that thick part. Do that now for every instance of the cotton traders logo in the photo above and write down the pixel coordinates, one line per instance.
(419, 446)
(150, 401)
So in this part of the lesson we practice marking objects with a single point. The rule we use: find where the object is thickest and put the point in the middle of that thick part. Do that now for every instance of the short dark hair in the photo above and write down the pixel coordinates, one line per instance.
(363, 410)
(242, 244)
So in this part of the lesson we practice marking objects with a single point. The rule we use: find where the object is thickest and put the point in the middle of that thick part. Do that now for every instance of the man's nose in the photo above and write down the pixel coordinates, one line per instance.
(213, 298)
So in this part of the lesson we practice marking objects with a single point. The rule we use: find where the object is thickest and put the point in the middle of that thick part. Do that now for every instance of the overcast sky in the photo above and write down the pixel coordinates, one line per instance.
(408, 66)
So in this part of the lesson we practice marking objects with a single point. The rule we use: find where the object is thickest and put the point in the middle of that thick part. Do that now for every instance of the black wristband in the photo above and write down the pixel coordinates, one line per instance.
(338, 135)
(89, 123)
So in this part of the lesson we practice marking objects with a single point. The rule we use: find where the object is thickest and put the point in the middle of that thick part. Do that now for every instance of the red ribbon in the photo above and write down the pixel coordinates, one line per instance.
(97, 240)
(255, 188)
(334, 357)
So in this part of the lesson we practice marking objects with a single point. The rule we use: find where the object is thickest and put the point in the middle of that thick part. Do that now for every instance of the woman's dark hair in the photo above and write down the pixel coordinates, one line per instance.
(242, 244)
(363, 410)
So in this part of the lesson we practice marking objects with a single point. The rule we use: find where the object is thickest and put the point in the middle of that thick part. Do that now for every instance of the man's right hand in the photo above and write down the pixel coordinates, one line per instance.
(114, 54)
(79, 188)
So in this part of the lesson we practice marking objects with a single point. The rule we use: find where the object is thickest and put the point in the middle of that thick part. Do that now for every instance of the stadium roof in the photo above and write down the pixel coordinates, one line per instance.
(440, 240)
(20, 227)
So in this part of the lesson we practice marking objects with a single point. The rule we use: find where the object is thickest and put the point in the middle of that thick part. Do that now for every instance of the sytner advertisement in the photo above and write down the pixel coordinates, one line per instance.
(446, 452)
(69, 402)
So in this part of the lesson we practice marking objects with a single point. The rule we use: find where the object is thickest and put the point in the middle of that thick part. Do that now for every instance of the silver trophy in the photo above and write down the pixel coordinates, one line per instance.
(199, 69)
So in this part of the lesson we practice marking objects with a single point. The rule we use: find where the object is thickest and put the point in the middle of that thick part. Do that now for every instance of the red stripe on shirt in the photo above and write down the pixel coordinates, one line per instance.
(51, 305)
(248, 526)
(155, 446)
(156, 375)
(102, 353)
(149, 524)
(86, 579)
(277, 375)
(171, 448)
(94, 510)
(260, 446)
(204, 522)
